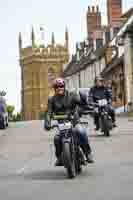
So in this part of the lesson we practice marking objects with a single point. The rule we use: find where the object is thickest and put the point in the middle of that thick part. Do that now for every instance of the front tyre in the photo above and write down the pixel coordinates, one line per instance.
(106, 126)
(79, 161)
(69, 160)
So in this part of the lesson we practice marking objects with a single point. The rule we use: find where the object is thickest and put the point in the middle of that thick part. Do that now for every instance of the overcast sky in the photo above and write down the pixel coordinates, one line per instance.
(54, 15)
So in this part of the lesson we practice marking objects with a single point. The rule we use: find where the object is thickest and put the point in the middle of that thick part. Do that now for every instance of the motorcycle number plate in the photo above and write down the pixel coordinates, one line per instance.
(65, 126)
(102, 102)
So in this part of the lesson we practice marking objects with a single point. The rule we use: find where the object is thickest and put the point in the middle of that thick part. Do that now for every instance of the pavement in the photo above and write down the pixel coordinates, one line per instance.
(27, 165)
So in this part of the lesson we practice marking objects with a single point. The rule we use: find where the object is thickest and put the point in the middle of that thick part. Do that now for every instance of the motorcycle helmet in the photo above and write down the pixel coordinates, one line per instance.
(59, 82)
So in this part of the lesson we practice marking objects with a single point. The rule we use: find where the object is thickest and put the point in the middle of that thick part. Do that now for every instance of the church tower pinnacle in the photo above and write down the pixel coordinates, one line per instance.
(53, 39)
(33, 37)
(66, 38)
(20, 42)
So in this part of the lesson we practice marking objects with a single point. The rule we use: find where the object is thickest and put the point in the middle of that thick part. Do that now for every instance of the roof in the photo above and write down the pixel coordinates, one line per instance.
(115, 62)
(74, 66)
(128, 13)
(100, 51)
(69, 66)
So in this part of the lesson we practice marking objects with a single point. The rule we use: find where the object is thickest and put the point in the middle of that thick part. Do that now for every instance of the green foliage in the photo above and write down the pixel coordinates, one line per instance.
(10, 109)
(13, 117)
(17, 117)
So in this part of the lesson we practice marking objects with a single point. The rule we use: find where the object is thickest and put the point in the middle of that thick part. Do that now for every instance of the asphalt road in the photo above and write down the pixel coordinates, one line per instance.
(27, 169)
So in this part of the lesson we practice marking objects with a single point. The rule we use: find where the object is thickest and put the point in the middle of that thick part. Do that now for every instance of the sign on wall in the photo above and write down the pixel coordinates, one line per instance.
(111, 53)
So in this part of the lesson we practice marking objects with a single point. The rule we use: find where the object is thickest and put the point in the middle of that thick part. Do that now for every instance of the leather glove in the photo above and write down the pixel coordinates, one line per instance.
(47, 125)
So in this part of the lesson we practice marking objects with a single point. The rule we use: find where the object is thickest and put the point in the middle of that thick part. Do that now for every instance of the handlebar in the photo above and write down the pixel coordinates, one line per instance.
(94, 104)
(63, 117)
(86, 123)
(60, 117)
(56, 124)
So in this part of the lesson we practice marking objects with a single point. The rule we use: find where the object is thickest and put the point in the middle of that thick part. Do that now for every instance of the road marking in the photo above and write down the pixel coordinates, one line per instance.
(51, 153)
(22, 170)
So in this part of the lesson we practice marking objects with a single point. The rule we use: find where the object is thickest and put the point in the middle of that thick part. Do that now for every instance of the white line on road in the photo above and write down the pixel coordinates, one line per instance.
(51, 154)
(21, 170)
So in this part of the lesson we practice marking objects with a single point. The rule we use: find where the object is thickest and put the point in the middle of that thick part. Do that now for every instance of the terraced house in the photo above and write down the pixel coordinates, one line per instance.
(114, 61)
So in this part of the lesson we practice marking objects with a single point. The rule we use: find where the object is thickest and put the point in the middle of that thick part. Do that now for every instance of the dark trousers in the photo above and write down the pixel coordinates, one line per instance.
(112, 113)
(83, 141)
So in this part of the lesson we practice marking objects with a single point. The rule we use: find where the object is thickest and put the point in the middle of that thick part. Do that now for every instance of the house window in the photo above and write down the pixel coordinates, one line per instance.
(116, 29)
(99, 43)
(107, 36)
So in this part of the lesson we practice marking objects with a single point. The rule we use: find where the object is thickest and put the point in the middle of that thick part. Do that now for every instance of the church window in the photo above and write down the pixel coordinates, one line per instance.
(51, 76)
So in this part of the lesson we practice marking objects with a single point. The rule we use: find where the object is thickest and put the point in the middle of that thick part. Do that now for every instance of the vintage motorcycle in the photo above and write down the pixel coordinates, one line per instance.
(72, 155)
(105, 121)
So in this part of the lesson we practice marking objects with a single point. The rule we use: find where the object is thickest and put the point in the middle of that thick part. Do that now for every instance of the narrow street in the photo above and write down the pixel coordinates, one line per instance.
(27, 165)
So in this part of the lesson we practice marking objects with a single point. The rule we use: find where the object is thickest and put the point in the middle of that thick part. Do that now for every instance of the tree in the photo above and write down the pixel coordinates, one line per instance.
(18, 117)
(10, 110)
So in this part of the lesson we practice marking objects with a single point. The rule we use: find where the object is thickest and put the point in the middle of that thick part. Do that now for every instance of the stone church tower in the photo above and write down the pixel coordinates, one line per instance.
(39, 66)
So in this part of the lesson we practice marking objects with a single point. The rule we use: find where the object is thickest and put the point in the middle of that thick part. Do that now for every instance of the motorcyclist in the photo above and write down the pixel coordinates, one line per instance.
(66, 102)
(100, 91)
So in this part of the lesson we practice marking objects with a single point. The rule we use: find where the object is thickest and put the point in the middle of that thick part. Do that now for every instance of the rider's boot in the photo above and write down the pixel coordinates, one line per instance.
(89, 158)
(87, 152)
(114, 125)
(59, 162)
(96, 122)
(97, 128)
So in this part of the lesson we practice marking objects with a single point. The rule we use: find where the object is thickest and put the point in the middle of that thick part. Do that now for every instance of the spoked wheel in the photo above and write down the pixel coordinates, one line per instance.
(69, 160)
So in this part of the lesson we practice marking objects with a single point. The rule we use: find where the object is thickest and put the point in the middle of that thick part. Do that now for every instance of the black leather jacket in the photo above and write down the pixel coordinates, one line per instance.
(65, 104)
(97, 93)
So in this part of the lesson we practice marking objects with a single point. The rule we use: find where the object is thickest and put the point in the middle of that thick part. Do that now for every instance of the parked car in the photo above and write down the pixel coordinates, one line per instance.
(3, 113)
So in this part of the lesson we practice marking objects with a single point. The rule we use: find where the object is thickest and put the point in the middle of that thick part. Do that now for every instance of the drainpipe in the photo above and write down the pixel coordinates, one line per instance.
(79, 80)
